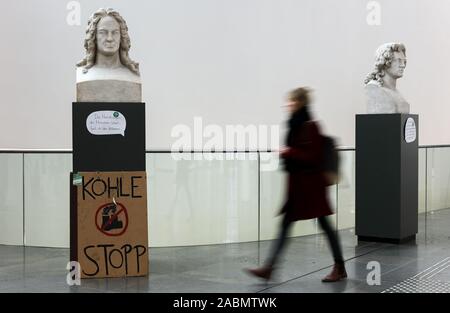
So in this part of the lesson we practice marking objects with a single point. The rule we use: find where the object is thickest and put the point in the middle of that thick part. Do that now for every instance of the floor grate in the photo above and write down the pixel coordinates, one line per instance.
(422, 282)
(417, 285)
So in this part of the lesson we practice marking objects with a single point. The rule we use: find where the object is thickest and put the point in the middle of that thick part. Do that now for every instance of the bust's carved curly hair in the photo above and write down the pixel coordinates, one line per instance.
(383, 58)
(90, 42)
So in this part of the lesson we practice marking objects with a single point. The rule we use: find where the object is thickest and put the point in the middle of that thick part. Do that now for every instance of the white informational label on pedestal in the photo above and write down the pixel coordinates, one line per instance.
(410, 130)
(106, 123)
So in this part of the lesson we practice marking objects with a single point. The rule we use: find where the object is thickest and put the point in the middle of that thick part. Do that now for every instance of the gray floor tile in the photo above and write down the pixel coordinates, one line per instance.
(219, 268)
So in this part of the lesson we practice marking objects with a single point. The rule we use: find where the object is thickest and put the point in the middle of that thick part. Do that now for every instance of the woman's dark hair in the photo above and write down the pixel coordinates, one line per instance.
(300, 95)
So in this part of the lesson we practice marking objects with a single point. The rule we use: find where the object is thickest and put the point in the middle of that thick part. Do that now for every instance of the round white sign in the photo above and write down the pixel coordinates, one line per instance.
(410, 130)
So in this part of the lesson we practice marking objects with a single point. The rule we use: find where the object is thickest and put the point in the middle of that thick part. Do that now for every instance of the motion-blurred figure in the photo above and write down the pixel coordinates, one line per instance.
(306, 191)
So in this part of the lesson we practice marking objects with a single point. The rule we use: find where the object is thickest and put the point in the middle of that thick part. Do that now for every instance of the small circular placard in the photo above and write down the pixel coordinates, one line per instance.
(410, 130)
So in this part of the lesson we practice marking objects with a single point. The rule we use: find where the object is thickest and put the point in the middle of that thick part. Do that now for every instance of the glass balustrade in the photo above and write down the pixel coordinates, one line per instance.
(193, 198)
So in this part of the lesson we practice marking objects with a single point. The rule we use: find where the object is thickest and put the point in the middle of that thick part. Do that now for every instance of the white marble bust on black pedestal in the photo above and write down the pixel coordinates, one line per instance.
(107, 73)
(381, 83)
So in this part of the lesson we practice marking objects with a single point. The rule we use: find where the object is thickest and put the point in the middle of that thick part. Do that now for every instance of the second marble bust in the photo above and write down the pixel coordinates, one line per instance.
(107, 73)
(381, 83)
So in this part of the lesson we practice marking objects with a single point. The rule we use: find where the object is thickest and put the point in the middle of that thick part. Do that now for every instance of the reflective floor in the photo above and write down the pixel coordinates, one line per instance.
(423, 266)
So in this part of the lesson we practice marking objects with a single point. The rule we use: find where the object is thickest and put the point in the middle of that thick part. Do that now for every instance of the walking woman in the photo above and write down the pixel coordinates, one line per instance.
(306, 191)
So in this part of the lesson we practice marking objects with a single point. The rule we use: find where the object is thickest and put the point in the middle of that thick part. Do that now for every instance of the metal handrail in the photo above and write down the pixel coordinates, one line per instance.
(64, 151)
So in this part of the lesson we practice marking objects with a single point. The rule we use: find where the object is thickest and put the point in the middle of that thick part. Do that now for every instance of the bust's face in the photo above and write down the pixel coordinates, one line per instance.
(398, 65)
(108, 36)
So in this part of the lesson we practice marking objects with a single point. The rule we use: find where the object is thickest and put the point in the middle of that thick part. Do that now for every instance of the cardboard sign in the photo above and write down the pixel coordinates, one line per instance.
(109, 224)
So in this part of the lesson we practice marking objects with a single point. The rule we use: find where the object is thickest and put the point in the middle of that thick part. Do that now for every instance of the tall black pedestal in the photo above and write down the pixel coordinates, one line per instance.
(103, 153)
(108, 198)
(386, 177)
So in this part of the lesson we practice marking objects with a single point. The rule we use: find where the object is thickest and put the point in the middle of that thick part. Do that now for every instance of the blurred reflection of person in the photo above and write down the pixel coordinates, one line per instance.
(182, 175)
(306, 191)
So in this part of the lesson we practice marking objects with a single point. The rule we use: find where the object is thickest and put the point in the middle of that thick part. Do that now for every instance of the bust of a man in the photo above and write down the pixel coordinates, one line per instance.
(107, 73)
(381, 83)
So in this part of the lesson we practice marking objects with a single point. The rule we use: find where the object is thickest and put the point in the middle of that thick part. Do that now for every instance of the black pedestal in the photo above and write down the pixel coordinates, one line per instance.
(109, 152)
(386, 178)
(105, 153)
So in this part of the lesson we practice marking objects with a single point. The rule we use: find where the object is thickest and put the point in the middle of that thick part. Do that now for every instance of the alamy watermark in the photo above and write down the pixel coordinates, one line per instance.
(74, 275)
(215, 142)
(374, 276)
(374, 13)
(73, 17)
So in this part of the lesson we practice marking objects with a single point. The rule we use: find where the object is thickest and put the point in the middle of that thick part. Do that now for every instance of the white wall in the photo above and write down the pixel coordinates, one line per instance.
(228, 61)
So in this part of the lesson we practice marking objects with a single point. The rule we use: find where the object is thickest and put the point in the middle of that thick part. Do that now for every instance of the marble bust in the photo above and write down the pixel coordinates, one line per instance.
(381, 84)
(107, 73)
